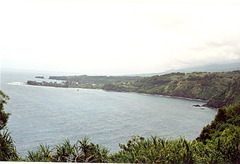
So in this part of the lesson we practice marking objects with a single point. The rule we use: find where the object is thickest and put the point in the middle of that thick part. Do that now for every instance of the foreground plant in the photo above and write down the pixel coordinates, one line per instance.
(82, 151)
(7, 147)
(219, 142)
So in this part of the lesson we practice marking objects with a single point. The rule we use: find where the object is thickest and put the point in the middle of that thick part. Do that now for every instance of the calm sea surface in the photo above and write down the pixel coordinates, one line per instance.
(49, 115)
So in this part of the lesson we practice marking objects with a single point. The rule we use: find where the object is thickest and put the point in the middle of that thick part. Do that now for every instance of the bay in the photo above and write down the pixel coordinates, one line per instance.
(49, 115)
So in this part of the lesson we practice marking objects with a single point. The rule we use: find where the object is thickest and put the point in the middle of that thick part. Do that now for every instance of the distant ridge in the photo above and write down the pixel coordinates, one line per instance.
(205, 68)
(213, 68)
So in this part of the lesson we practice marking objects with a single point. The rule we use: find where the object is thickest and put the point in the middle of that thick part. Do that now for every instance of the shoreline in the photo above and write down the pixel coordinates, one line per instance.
(170, 96)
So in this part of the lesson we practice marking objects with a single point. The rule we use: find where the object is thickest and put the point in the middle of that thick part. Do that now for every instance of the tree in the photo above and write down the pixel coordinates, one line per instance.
(7, 147)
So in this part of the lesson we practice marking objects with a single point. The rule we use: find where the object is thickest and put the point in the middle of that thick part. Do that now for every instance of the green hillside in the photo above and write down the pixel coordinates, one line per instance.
(220, 88)
(228, 96)
(84, 81)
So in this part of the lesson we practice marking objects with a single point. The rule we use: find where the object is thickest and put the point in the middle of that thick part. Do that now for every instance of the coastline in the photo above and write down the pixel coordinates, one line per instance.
(170, 96)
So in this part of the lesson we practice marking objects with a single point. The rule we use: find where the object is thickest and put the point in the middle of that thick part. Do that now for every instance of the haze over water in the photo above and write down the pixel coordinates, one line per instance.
(49, 115)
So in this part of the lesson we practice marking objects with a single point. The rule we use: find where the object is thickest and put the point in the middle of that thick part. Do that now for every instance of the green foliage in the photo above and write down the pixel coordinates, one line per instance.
(85, 81)
(226, 145)
(231, 95)
(93, 82)
(115, 87)
(157, 150)
(43, 154)
(222, 136)
(3, 115)
(225, 118)
(82, 151)
(220, 88)
(51, 84)
(7, 147)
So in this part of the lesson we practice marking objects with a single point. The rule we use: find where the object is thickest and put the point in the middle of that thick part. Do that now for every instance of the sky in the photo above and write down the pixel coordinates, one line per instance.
(115, 37)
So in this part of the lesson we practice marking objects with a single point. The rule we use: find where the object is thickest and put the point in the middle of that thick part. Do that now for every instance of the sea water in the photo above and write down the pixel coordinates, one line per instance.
(49, 115)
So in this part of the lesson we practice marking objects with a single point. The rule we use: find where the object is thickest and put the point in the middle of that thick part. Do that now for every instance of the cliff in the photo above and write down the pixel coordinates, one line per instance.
(220, 88)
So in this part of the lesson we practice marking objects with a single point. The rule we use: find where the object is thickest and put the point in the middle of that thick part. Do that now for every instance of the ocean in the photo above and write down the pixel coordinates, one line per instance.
(49, 115)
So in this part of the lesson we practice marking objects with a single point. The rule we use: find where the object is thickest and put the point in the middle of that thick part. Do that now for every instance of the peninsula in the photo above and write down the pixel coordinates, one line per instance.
(219, 88)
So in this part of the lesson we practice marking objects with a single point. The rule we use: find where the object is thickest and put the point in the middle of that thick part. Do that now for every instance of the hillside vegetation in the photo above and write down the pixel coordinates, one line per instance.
(95, 81)
(220, 88)
(231, 95)
(84, 81)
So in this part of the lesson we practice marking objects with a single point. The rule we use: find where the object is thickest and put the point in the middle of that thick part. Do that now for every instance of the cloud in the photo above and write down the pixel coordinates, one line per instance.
(226, 49)
(117, 37)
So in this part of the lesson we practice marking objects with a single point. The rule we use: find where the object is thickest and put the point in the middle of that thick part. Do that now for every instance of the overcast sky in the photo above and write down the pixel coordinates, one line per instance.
(115, 37)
